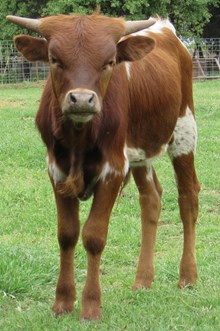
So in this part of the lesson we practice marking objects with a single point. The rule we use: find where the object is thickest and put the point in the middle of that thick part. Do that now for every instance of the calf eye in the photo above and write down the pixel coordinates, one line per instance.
(109, 64)
(55, 61)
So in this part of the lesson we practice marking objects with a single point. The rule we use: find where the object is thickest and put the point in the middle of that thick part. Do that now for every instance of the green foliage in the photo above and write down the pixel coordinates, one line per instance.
(189, 16)
(29, 255)
(54, 7)
(29, 8)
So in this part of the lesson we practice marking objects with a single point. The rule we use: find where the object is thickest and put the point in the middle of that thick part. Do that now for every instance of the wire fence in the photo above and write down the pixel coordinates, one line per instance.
(205, 53)
(15, 69)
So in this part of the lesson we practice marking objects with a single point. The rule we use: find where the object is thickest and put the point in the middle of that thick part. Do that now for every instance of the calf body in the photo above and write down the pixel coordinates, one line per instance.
(112, 103)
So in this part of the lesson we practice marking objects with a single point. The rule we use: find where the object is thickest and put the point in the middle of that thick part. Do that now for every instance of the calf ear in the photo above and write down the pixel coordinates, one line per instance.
(33, 49)
(134, 48)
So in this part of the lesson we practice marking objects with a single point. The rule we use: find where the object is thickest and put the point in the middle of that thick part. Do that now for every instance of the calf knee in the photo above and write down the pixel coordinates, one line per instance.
(150, 207)
(68, 240)
(189, 206)
(93, 243)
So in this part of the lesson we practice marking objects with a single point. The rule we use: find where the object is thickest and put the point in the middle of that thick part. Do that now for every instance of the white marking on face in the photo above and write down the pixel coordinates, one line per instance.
(185, 136)
(55, 172)
(128, 69)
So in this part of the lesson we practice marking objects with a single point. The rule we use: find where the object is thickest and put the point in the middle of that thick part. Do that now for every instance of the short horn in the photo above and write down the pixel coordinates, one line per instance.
(134, 26)
(28, 23)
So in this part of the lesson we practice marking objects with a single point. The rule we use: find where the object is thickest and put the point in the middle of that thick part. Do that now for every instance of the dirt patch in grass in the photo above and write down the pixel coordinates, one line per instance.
(212, 192)
(13, 103)
(28, 118)
(17, 86)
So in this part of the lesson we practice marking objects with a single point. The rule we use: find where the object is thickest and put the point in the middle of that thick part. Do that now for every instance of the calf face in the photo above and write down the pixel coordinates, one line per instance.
(82, 53)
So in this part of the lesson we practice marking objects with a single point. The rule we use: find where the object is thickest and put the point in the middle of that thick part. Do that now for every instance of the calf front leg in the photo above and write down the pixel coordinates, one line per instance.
(94, 240)
(68, 233)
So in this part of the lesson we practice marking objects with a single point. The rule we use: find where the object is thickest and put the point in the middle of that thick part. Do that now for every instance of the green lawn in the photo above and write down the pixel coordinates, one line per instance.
(29, 254)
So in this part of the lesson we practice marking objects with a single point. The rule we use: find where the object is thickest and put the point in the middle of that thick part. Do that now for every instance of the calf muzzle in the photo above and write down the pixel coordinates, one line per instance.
(81, 105)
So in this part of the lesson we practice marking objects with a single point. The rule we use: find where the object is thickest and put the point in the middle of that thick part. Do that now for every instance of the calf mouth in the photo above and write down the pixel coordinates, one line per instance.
(81, 116)
(81, 105)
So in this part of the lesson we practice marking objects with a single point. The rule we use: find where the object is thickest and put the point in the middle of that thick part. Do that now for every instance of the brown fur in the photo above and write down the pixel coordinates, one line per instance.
(141, 113)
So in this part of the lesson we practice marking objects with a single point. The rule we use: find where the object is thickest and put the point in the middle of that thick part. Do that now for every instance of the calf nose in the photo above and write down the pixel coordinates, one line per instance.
(81, 105)
(82, 100)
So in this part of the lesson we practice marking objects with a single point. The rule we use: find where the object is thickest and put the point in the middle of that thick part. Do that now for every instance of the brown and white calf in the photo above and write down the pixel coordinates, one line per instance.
(114, 100)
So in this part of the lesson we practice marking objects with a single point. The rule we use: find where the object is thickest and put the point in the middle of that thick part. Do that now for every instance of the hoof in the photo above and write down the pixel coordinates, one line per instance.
(138, 285)
(186, 283)
(187, 278)
(91, 314)
(188, 274)
(62, 308)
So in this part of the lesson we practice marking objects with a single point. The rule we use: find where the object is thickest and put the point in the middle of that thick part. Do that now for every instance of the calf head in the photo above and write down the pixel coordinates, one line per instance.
(82, 52)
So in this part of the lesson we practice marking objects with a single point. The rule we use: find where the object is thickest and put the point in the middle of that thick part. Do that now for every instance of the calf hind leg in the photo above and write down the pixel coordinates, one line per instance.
(150, 201)
(188, 189)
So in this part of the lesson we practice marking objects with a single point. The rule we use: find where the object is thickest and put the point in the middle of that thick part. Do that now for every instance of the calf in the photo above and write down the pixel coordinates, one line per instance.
(117, 96)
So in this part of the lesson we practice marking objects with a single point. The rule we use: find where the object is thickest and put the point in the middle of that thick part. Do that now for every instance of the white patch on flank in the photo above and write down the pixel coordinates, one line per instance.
(185, 136)
(55, 172)
(137, 158)
(128, 69)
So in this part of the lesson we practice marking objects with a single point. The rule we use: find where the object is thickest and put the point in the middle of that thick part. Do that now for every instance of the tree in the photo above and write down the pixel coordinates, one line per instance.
(189, 16)
(212, 29)
(30, 8)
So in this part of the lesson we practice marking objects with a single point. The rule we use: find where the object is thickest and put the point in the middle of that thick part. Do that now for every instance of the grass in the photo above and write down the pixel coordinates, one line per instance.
(29, 254)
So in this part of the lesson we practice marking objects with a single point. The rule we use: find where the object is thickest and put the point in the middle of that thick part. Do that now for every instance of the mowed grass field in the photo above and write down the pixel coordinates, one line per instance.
(29, 253)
